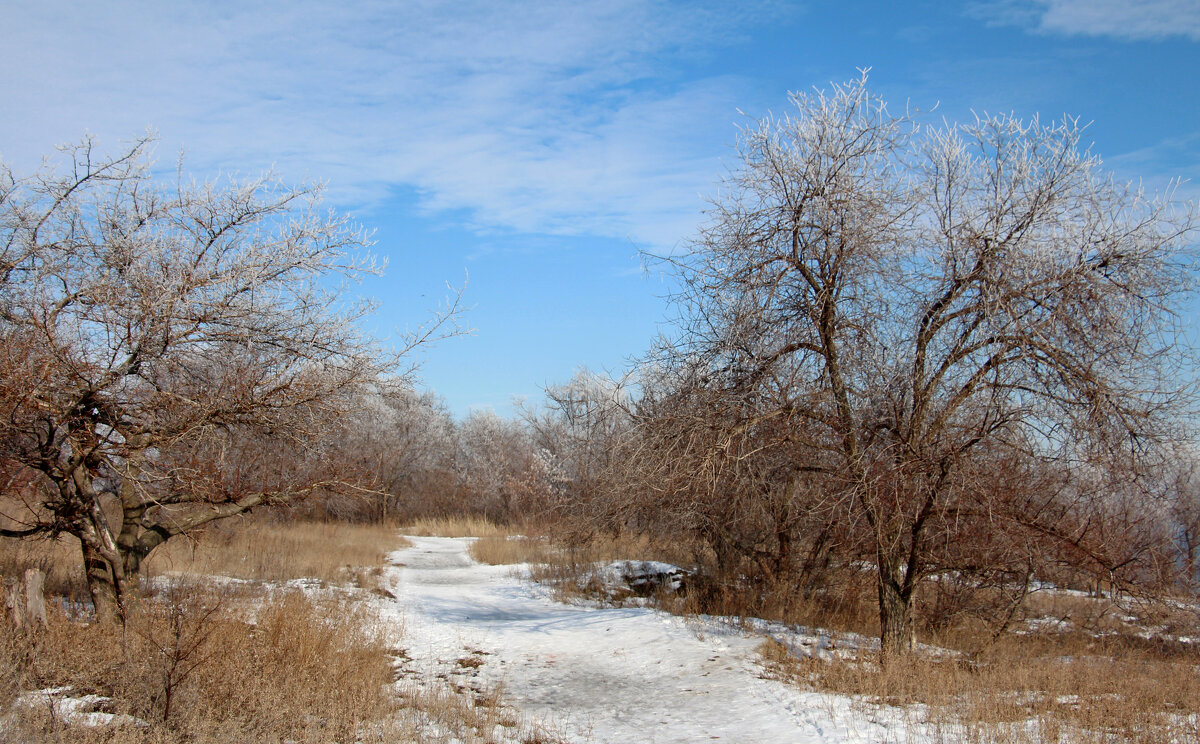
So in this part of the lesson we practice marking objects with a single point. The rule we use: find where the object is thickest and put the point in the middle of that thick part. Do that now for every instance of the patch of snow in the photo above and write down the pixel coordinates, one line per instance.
(170, 579)
(76, 710)
(304, 584)
(1046, 623)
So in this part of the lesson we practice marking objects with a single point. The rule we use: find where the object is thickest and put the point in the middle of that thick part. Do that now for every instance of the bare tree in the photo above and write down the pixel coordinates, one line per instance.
(906, 298)
(746, 483)
(581, 432)
(188, 351)
(498, 467)
(1181, 485)
(408, 439)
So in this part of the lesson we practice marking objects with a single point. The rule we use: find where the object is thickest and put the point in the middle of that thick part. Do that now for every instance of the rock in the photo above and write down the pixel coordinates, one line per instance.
(645, 578)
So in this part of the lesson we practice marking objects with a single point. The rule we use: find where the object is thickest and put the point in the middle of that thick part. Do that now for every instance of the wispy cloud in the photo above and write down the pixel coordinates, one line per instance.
(1122, 19)
(1168, 158)
(555, 117)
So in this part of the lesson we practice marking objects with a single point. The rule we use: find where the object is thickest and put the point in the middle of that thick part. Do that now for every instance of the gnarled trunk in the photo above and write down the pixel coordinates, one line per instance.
(895, 615)
(103, 565)
(103, 588)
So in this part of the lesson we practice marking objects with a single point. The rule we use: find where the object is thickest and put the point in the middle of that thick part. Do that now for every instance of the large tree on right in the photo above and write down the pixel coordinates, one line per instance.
(921, 302)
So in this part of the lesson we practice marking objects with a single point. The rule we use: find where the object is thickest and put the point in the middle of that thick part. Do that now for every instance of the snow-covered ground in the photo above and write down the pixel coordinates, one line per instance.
(598, 674)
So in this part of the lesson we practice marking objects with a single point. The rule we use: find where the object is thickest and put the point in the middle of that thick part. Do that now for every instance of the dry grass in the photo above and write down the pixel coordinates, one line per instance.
(190, 667)
(443, 714)
(265, 551)
(845, 603)
(1021, 691)
(460, 526)
(59, 559)
(500, 550)
(195, 664)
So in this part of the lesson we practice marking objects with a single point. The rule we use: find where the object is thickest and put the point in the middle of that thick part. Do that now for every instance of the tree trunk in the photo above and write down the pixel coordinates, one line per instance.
(102, 564)
(895, 617)
(135, 540)
(105, 596)
(815, 563)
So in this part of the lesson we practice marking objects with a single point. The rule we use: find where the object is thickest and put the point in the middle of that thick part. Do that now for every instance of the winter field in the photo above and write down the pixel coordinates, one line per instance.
(910, 457)
(424, 643)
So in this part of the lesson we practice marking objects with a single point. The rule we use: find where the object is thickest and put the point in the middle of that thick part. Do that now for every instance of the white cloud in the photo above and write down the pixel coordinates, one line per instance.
(559, 117)
(1123, 19)
(1147, 19)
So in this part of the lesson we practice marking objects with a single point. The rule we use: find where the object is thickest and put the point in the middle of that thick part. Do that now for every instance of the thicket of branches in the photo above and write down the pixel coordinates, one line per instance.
(174, 354)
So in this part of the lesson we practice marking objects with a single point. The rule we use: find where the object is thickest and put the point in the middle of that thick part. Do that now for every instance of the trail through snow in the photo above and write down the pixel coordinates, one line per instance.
(603, 674)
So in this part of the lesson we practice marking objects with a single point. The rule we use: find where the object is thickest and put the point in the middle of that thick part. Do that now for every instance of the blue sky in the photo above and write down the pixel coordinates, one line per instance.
(536, 147)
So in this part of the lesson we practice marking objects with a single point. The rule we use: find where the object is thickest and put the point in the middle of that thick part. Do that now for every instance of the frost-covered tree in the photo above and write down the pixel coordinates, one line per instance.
(581, 431)
(915, 301)
(408, 439)
(498, 467)
(174, 353)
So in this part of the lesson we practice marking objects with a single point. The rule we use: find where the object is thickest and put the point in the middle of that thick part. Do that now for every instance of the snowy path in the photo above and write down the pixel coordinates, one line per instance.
(595, 674)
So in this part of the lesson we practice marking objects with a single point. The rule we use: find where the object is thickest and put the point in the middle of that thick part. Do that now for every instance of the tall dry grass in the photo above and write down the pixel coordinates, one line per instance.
(1019, 692)
(59, 559)
(471, 525)
(271, 551)
(501, 550)
(191, 667)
